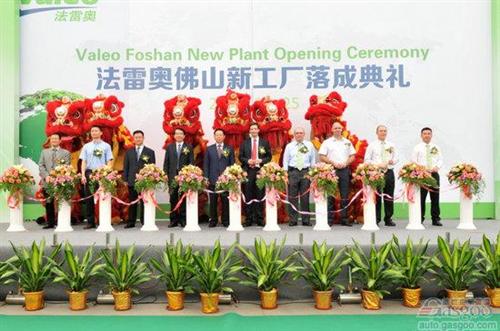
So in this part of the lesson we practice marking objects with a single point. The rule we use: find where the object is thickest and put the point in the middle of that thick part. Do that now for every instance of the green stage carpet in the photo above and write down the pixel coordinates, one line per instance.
(235, 322)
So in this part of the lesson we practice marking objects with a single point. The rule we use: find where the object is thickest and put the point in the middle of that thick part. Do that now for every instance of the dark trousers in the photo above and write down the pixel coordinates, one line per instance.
(435, 211)
(213, 198)
(49, 209)
(89, 203)
(298, 185)
(178, 216)
(254, 211)
(344, 176)
(388, 203)
(132, 209)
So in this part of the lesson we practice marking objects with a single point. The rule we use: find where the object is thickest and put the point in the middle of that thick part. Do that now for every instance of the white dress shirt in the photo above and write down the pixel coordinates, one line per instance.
(291, 155)
(428, 155)
(337, 150)
(381, 152)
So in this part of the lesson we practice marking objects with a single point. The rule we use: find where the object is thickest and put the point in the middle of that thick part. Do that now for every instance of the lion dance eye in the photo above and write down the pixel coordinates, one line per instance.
(114, 108)
(77, 115)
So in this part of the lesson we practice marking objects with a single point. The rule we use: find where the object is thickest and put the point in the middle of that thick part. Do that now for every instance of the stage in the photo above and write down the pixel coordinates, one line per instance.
(298, 237)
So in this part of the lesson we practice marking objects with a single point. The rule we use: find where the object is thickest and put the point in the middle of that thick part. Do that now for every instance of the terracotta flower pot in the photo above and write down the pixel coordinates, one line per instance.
(494, 295)
(78, 300)
(269, 299)
(323, 299)
(411, 297)
(33, 300)
(175, 300)
(209, 303)
(456, 299)
(370, 300)
(123, 300)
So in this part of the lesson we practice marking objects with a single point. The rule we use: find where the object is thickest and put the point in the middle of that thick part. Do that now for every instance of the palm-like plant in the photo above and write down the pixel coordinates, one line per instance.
(172, 267)
(455, 265)
(32, 266)
(322, 269)
(267, 267)
(413, 262)
(214, 268)
(6, 272)
(489, 262)
(79, 270)
(373, 270)
(123, 269)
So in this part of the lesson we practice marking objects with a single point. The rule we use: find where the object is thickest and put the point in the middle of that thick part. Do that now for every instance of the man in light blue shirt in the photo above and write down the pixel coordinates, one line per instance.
(298, 157)
(94, 155)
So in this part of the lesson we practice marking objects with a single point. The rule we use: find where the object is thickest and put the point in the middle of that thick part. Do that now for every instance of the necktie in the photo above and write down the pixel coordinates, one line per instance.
(254, 149)
(54, 155)
(428, 159)
(219, 151)
(300, 157)
(383, 156)
(178, 150)
(138, 152)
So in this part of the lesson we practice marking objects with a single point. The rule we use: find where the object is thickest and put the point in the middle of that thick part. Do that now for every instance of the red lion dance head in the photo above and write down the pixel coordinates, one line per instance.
(66, 118)
(104, 112)
(323, 112)
(182, 112)
(272, 117)
(232, 114)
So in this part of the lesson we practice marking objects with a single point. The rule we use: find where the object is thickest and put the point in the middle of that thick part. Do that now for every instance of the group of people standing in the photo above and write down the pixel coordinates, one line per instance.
(299, 156)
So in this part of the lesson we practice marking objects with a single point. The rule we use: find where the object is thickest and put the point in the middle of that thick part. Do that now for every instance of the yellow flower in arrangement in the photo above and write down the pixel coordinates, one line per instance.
(225, 152)
(145, 158)
(185, 151)
(262, 150)
(434, 151)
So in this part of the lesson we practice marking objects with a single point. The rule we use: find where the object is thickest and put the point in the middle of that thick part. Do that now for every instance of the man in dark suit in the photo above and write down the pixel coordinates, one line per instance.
(254, 152)
(217, 158)
(135, 159)
(177, 155)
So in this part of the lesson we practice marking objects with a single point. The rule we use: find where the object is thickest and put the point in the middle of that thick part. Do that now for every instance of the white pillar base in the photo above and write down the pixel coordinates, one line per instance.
(235, 214)
(466, 215)
(149, 212)
(370, 219)
(105, 213)
(16, 219)
(414, 212)
(64, 217)
(271, 214)
(192, 213)
(321, 210)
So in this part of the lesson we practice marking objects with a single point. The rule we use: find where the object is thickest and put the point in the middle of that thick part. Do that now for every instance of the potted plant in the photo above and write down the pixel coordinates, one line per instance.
(321, 271)
(123, 271)
(266, 269)
(77, 275)
(212, 269)
(456, 269)
(374, 272)
(489, 269)
(34, 270)
(174, 274)
(413, 262)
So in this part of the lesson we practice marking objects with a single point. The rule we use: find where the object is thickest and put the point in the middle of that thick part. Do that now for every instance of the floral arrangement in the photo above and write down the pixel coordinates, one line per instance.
(468, 178)
(370, 175)
(105, 179)
(16, 180)
(62, 183)
(231, 179)
(190, 178)
(272, 176)
(323, 179)
(412, 173)
(150, 178)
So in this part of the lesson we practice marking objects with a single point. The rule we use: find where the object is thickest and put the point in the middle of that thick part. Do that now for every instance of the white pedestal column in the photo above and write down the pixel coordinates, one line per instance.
(235, 213)
(16, 217)
(370, 220)
(149, 212)
(192, 213)
(64, 217)
(466, 208)
(105, 213)
(414, 212)
(321, 210)
(271, 212)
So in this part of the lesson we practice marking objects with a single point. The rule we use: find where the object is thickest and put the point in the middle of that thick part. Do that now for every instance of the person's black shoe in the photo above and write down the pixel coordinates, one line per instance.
(378, 221)
(437, 223)
(173, 224)
(247, 224)
(292, 224)
(40, 220)
(345, 223)
(306, 224)
(183, 224)
(423, 219)
(129, 225)
(49, 226)
(89, 226)
(390, 223)
(212, 224)
(225, 224)
(142, 222)
(260, 223)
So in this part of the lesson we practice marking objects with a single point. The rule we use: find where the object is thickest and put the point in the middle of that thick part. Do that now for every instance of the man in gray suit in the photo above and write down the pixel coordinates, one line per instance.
(49, 159)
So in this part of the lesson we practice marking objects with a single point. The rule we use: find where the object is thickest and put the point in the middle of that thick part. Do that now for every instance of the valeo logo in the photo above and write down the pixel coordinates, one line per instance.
(65, 10)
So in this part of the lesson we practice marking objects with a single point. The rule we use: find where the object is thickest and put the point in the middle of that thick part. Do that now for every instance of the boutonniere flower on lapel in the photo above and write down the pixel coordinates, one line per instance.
(145, 158)
(303, 149)
(262, 150)
(434, 150)
(61, 162)
(185, 151)
(225, 152)
(98, 152)
(389, 150)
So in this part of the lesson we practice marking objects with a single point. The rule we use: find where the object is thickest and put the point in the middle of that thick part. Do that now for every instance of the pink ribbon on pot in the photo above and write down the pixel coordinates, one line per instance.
(272, 196)
(14, 199)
